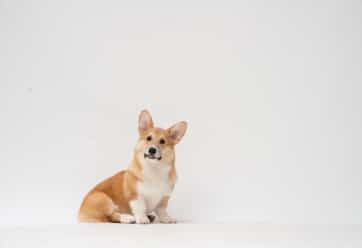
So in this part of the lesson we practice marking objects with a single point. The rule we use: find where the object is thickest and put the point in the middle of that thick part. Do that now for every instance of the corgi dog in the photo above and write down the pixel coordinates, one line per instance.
(141, 192)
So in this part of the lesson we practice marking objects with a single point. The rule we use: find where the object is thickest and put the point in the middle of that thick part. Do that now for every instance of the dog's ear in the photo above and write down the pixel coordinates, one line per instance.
(144, 122)
(177, 131)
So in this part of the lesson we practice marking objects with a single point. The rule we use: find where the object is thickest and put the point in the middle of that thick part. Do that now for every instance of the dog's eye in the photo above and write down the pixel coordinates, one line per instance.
(162, 141)
(149, 138)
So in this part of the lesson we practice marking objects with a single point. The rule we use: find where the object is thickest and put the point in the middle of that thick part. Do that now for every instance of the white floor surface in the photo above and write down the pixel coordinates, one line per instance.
(181, 235)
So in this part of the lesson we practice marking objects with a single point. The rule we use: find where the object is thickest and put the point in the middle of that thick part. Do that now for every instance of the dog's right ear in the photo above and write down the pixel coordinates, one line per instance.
(144, 122)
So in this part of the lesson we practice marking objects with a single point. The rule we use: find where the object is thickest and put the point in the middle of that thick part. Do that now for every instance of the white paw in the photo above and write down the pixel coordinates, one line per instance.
(143, 219)
(167, 219)
(127, 219)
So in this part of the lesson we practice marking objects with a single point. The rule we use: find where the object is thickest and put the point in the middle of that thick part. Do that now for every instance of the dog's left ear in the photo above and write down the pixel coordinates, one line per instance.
(177, 131)
(144, 122)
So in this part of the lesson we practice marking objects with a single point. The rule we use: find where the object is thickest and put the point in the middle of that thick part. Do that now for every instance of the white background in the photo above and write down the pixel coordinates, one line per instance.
(271, 91)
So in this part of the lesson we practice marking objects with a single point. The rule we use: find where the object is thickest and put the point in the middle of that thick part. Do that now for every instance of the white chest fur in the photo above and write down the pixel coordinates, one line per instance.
(156, 184)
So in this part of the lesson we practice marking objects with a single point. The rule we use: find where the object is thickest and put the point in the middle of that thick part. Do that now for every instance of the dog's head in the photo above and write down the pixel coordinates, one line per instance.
(157, 145)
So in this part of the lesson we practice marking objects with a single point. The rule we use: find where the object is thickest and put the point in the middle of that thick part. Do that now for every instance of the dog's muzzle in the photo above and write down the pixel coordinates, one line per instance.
(153, 153)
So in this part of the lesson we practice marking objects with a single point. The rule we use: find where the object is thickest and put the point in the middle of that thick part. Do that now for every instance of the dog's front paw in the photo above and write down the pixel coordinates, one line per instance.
(167, 219)
(143, 219)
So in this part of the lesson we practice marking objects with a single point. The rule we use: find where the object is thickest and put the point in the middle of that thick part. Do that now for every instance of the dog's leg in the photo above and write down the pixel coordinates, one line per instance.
(138, 208)
(97, 207)
(161, 212)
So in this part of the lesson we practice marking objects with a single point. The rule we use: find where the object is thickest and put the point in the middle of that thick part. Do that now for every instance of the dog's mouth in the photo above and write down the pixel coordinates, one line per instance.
(150, 156)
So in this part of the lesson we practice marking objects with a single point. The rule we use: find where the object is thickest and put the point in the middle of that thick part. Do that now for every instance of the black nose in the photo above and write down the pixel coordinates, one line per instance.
(152, 150)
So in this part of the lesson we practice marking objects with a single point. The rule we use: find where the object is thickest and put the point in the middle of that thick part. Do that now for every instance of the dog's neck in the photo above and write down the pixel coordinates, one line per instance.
(155, 171)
